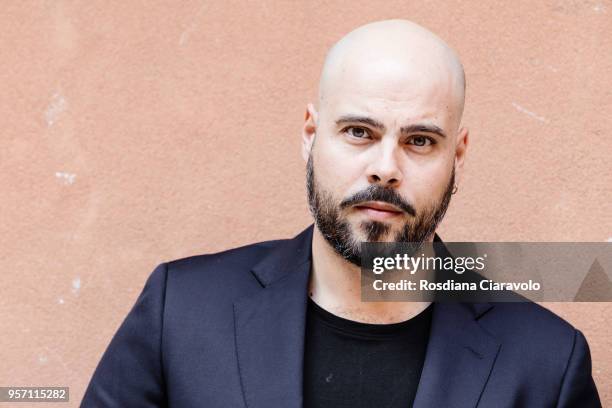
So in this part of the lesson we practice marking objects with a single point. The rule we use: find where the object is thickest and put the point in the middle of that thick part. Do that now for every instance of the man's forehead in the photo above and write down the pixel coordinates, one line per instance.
(393, 65)
(392, 86)
(392, 90)
(391, 100)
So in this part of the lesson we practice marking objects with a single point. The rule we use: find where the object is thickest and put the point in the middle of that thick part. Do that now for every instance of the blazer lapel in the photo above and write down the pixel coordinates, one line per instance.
(459, 357)
(270, 325)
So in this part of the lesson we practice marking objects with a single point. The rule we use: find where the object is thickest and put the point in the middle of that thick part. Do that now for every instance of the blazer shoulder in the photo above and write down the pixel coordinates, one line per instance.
(527, 318)
(226, 271)
(532, 334)
(542, 345)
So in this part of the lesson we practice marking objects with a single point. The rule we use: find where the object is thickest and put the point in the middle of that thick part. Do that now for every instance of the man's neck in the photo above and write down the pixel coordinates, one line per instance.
(335, 285)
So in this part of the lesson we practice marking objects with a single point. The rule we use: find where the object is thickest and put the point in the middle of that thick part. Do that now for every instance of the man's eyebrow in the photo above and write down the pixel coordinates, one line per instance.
(360, 119)
(427, 128)
(416, 128)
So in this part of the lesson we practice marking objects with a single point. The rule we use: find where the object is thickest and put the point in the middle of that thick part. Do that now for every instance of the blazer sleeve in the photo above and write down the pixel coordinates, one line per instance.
(130, 372)
(578, 388)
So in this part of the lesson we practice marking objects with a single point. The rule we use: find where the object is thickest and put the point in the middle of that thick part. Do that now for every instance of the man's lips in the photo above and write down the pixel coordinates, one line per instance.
(379, 210)
(380, 206)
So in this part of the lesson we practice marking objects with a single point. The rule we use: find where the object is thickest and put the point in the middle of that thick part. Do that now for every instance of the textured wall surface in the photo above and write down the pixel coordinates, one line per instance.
(137, 132)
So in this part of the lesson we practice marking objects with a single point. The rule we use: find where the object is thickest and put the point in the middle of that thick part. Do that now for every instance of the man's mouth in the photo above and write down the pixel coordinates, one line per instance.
(379, 210)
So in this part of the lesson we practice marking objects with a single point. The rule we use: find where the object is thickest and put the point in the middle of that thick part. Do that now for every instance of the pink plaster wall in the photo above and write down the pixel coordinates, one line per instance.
(138, 132)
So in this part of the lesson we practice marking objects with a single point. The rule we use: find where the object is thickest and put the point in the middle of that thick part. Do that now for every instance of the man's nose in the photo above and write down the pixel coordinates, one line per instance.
(384, 168)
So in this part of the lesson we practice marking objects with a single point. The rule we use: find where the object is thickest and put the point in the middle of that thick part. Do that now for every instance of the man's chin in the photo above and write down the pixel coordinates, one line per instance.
(375, 231)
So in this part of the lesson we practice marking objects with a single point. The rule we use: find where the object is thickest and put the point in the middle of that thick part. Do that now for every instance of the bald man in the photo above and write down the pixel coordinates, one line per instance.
(281, 323)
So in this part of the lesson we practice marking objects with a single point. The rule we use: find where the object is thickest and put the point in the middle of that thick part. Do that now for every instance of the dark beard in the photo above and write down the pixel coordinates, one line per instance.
(338, 232)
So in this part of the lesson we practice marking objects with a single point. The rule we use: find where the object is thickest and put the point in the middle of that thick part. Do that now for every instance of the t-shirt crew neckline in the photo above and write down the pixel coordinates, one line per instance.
(415, 328)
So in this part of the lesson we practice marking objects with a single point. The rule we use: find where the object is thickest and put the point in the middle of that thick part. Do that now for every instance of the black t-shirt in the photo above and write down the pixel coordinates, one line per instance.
(361, 365)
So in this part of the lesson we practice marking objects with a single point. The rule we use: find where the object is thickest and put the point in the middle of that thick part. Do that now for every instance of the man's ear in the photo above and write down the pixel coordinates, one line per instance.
(309, 130)
(460, 150)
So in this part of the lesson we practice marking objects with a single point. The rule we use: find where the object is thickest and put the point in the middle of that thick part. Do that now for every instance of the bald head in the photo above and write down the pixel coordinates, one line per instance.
(392, 58)
(387, 129)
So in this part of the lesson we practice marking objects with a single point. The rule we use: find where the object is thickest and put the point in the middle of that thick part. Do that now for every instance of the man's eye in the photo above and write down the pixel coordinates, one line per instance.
(357, 132)
(421, 141)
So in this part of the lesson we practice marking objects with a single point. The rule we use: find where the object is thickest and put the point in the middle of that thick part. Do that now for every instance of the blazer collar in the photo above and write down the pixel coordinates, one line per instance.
(270, 326)
(288, 255)
(270, 329)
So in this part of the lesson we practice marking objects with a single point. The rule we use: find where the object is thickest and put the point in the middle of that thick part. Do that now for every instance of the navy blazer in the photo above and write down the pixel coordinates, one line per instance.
(227, 330)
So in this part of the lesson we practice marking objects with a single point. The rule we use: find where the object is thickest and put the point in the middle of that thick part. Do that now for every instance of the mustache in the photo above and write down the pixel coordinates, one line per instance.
(378, 193)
